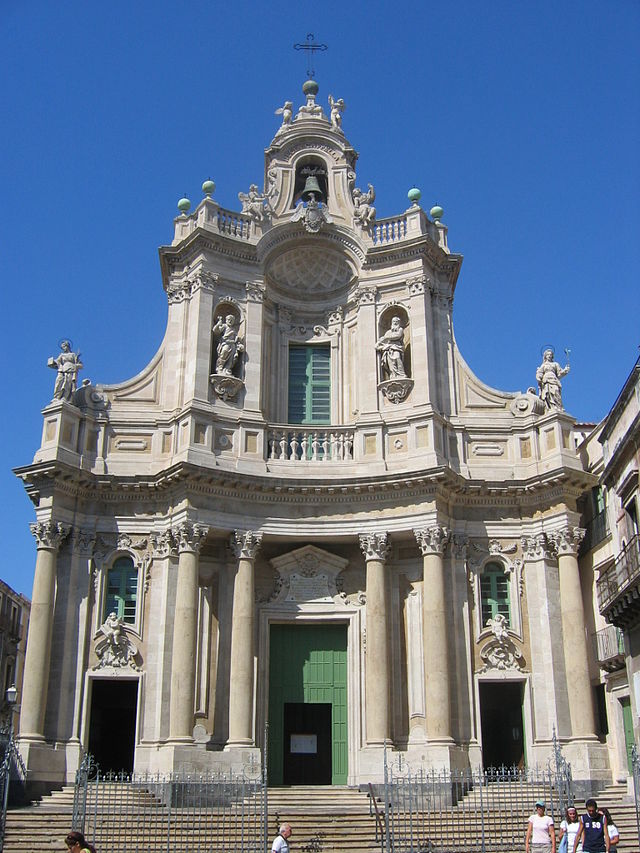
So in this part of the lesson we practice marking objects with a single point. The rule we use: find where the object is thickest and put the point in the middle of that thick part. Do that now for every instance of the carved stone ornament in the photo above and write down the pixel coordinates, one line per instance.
(418, 285)
(255, 291)
(500, 652)
(568, 540)
(49, 534)
(178, 291)
(161, 544)
(226, 387)
(432, 540)
(189, 537)
(313, 214)
(538, 547)
(366, 294)
(375, 546)
(308, 576)
(83, 541)
(396, 390)
(245, 544)
(114, 648)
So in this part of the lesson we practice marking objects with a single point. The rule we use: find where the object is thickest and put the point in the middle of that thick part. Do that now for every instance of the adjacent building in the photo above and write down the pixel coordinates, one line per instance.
(306, 523)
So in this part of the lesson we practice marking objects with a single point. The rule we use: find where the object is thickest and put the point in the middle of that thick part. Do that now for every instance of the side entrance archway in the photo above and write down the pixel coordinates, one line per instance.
(308, 704)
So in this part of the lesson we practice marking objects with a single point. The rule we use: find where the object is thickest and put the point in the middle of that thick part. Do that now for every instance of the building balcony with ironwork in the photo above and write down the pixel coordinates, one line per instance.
(618, 587)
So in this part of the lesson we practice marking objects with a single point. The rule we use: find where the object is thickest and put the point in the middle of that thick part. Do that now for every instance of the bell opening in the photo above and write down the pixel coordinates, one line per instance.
(311, 180)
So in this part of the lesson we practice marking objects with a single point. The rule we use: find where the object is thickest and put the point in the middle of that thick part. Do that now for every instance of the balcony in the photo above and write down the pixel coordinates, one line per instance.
(597, 531)
(609, 648)
(618, 588)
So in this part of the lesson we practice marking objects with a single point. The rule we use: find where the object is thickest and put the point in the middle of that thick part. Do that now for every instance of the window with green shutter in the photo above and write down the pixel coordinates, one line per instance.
(122, 590)
(494, 593)
(309, 384)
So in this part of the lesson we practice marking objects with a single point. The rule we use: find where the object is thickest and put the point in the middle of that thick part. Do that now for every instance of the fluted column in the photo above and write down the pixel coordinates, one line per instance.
(245, 546)
(188, 539)
(436, 627)
(574, 637)
(375, 548)
(48, 536)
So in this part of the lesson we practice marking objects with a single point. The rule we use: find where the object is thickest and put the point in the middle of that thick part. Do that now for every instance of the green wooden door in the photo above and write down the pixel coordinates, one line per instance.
(308, 664)
(627, 722)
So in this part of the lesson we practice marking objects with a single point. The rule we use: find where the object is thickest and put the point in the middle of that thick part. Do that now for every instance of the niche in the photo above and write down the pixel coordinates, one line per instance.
(394, 354)
(227, 351)
(311, 174)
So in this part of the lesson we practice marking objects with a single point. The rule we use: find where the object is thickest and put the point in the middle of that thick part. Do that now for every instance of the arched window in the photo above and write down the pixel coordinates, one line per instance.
(122, 590)
(494, 593)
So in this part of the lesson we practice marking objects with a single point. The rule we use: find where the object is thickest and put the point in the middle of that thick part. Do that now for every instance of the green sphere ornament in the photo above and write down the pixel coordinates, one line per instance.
(414, 195)
(310, 87)
(183, 205)
(436, 213)
(208, 187)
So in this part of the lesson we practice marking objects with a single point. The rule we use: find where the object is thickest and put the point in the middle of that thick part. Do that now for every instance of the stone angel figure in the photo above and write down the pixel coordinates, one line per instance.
(286, 112)
(548, 376)
(67, 364)
(253, 203)
(365, 212)
(337, 108)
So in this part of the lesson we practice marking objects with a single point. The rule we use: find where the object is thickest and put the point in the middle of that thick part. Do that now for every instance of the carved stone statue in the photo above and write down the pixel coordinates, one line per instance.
(498, 626)
(337, 108)
(313, 215)
(113, 647)
(364, 213)
(253, 203)
(286, 112)
(67, 364)
(229, 346)
(391, 349)
(548, 376)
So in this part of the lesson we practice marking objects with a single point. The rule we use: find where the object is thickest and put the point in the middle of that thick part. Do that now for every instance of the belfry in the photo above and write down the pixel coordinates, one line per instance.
(306, 526)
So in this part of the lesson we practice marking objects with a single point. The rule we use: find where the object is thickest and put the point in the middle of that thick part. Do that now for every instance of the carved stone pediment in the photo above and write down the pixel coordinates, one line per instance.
(307, 575)
(113, 647)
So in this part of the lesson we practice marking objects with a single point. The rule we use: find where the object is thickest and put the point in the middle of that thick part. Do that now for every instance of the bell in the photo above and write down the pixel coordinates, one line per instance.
(311, 185)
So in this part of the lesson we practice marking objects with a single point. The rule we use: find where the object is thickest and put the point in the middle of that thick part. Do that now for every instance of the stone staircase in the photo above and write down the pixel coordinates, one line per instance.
(324, 820)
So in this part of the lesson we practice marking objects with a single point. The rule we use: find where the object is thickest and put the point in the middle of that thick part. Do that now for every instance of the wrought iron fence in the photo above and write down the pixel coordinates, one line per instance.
(196, 812)
(471, 810)
(635, 767)
(11, 769)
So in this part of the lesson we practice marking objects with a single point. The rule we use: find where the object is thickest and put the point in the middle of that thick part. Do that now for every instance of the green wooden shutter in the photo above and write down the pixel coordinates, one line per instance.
(122, 590)
(494, 592)
(309, 384)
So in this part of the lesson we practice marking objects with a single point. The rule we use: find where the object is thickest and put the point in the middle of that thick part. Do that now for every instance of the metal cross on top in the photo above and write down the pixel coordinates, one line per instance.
(310, 47)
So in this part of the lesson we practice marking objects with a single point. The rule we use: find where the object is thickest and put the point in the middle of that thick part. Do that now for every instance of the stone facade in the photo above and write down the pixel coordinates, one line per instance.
(308, 447)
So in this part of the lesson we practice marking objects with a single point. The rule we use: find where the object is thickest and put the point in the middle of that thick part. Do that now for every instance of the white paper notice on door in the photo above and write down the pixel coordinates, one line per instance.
(304, 744)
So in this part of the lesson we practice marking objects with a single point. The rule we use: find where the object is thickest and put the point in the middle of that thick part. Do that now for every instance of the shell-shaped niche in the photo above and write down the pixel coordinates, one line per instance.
(314, 271)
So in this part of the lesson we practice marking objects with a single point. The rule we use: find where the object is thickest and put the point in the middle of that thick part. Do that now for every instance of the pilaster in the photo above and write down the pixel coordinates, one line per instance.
(253, 345)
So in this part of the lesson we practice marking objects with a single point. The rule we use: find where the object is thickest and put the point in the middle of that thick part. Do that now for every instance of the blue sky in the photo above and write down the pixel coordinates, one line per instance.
(521, 119)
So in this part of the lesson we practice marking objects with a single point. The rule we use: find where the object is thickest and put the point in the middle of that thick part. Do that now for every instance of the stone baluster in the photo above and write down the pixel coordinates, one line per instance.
(245, 546)
(48, 536)
(188, 539)
(436, 626)
(375, 548)
(574, 638)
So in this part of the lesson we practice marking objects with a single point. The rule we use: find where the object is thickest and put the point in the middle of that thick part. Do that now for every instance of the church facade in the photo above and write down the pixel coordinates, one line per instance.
(306, 526)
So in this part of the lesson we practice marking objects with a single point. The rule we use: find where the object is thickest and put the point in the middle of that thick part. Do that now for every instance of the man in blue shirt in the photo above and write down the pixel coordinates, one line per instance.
(593, 826)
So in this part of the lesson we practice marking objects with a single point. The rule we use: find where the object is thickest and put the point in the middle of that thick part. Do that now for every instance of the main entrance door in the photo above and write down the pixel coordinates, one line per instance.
(112, 724)
(501, 719)
(308, 705)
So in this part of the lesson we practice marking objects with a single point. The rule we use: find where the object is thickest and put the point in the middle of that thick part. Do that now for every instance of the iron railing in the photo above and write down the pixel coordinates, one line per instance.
(635, 767)
(11, 769)
(608, 645)
(620, 575)
(126, 813)
(470, 810)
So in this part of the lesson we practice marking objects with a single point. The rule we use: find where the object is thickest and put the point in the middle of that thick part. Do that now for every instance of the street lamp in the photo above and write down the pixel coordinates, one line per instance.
(11, 696)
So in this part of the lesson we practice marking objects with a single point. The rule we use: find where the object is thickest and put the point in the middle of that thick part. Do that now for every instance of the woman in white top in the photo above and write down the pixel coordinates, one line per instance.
(614, 835)
(570, 825)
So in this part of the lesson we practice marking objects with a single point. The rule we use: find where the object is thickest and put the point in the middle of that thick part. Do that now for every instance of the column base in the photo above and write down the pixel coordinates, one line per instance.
(45, 764)
(589, 761)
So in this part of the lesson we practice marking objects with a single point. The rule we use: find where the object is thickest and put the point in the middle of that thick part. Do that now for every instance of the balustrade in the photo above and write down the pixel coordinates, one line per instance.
(299, 444)
(389, 230)
(232, 223)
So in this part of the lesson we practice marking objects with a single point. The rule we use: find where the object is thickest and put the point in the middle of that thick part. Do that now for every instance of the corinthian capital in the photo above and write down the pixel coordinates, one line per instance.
(49, 534)
(375, 546)
(83, 541)
(245, 544)
(432, 540)
(568, 540)
(189, 537)
(538, 547)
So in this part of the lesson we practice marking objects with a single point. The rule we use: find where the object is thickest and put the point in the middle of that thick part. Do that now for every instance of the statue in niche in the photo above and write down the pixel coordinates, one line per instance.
(548, 376)
(391, 349)
(364, 213)
(253, 203)
(67, 364)
(337, 108)
(229, 346)
(286, 112)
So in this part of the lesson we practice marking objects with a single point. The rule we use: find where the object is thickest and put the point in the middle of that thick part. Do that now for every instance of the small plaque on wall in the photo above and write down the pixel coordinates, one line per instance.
(314, 588)
(304, 744)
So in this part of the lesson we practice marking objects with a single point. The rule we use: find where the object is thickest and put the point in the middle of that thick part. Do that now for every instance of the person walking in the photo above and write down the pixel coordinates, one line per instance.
(77, 843)
(569, 827)
(541, 834)
(612, 829)
(281, 841)
(593, 827)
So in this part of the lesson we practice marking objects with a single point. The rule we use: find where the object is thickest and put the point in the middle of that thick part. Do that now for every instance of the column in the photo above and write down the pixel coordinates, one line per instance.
(375, 548)
(574, 637)
(48, 536)
(436, 625)
(245, 546)
(189, 539)
(366, 375)
(253, 345)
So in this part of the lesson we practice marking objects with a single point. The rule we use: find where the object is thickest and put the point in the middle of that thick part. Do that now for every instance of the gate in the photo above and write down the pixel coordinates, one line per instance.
(126, 813)
(470, 810)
